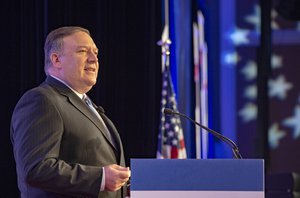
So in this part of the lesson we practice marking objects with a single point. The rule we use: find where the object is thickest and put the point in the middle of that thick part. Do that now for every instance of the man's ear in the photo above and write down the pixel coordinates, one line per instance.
(55, 59)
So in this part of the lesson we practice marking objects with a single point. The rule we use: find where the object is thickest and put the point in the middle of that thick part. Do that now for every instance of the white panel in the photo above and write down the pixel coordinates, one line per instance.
(197, 194)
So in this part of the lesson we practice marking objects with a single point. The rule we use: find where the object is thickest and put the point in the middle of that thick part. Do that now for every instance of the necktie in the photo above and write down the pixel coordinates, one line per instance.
(89, 103)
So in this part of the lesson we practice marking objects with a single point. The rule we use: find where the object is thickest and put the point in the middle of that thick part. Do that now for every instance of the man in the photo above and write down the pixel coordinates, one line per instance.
(62, 146)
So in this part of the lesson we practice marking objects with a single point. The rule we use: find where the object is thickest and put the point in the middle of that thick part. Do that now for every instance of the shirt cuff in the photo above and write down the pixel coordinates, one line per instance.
(102, 187)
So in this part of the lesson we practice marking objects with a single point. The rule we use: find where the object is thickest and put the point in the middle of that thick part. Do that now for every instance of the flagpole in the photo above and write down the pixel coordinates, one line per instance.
(197, 88)
(204, 85)
(165, 41)
(200, 79)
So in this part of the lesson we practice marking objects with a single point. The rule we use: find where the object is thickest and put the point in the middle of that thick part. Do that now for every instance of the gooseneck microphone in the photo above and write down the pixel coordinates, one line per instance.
(234, 148)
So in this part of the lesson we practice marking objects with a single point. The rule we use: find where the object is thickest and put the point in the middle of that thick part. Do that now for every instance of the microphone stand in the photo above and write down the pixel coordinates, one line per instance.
(234, 147)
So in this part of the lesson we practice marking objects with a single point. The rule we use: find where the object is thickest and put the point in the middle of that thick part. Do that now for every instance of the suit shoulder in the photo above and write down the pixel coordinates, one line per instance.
(43, 94)
(42, 90)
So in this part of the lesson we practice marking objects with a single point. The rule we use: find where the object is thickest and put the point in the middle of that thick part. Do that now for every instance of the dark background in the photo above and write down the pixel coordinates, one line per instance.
(129, 81)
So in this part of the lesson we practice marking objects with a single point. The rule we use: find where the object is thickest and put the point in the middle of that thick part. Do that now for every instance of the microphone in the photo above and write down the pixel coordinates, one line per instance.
(234, 147)
(99, 109)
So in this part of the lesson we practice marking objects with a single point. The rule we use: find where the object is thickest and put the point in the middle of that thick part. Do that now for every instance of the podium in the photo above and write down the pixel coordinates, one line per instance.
(192, 178)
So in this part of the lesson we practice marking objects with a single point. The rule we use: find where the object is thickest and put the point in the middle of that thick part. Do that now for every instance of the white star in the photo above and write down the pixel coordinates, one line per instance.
(251, 92)
(254, 18)
(239, 36)
(248, 112)
(276, 61)
(174, 142)
(274, 15)
(279, 87)
(298, 26)
(275, 135)
(165, 84)
(232, 58)
(173, 120)
(167, 125)
(294, 122)
(250, 70)
(171, 133)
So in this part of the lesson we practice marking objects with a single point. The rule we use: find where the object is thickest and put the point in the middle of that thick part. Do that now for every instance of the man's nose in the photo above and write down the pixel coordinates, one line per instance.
(93, 57)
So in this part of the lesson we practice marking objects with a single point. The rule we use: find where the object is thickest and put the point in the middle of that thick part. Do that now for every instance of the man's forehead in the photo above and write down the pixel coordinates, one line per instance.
(79, 39)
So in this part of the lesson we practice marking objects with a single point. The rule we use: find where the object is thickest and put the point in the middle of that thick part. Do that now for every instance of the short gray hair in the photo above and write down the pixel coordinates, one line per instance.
(54, 41)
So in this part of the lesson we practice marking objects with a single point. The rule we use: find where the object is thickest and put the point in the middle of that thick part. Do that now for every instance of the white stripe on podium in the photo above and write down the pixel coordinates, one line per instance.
(197, 194)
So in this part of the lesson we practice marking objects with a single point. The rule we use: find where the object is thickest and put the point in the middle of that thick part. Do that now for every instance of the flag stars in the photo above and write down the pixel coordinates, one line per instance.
(171, 134)
(164, 92)
(251, 92)
(165, 84)
(279, 87)
(239, 36)
(231, 58)
(170, 126)
(254, 18)
(274, 15)
(172, 99)
(276, 62)
(298, 26)
(173, 120)
(275, 135)
(294, 122)
(174, 142)
(250, 70)
(248, 112)
(167, 125)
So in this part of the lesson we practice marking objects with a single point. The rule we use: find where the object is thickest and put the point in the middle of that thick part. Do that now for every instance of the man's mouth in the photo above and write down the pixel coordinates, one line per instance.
(90, 69)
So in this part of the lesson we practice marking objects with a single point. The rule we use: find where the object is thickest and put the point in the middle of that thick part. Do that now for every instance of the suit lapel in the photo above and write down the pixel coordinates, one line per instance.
(79, 104)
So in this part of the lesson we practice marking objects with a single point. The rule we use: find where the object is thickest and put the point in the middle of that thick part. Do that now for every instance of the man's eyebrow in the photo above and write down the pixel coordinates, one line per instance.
(85, 46)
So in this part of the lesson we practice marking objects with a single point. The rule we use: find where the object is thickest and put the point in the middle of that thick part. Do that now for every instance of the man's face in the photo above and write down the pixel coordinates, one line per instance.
(79, 62)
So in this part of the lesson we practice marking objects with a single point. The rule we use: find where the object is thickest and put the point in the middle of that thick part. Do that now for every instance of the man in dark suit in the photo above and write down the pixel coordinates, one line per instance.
(62, 146)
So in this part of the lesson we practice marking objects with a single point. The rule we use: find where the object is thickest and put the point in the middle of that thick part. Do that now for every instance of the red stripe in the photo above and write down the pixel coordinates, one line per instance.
(174, 153)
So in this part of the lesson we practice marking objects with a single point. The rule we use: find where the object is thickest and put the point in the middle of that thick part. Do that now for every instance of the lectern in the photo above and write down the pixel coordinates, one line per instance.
(192, 178)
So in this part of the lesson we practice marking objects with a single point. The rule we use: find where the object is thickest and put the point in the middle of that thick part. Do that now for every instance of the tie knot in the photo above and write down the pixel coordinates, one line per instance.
(86, 99)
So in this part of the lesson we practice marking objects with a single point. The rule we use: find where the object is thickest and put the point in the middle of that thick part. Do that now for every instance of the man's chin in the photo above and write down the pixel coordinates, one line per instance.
(92, 82)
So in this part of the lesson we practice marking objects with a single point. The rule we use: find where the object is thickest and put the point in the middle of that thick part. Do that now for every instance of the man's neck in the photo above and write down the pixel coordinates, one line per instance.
(60, 80)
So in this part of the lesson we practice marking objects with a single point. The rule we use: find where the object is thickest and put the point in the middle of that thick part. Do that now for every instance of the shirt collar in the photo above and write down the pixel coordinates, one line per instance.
(60, 80)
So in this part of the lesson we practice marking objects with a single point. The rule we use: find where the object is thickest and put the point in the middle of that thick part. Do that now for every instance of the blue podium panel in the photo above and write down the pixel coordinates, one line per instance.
(191, 178)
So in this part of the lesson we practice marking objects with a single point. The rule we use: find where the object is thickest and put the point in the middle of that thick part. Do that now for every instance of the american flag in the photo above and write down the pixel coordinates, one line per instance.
(170, 138)
(283, 86)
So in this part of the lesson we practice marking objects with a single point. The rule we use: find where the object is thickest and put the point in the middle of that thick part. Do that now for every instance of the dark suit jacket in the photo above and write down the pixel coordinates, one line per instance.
(59, 144)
